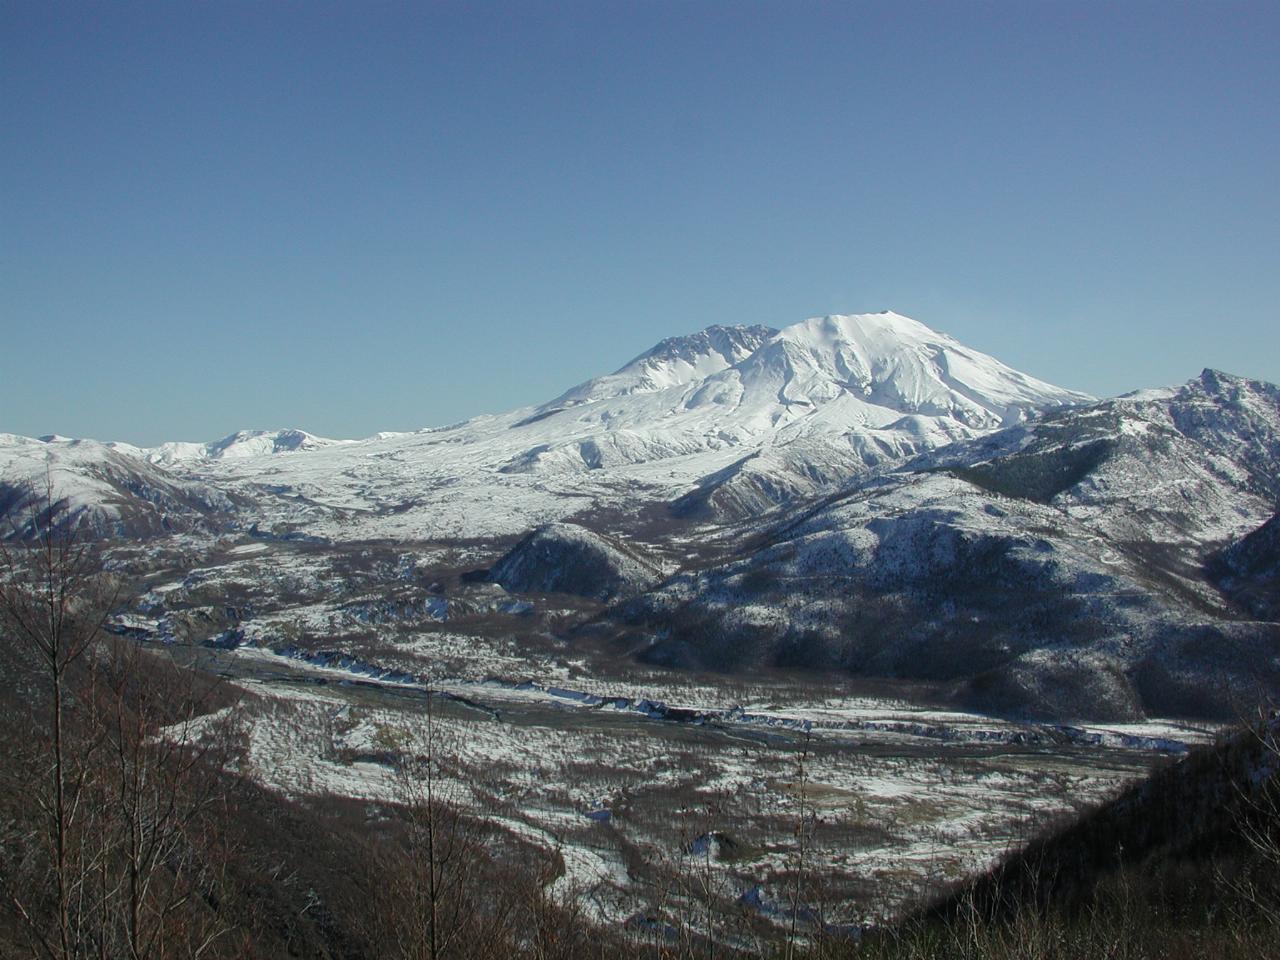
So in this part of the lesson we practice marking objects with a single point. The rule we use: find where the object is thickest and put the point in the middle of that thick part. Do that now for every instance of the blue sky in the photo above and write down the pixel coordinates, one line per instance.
(366, 216)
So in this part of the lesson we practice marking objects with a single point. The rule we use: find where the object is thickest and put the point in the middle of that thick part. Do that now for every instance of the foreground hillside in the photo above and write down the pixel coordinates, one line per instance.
(1184, 864)
(635, 816)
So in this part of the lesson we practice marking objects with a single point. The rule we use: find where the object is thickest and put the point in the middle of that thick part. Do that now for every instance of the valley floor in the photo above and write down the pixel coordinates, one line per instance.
(347, 659)
(634, 785)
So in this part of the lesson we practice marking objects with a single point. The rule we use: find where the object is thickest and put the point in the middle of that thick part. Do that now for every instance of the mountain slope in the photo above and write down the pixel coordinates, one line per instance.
(103, 491)
(1182, 863)
(1052, 568)
(1216, 803)
(819, 402)
(1248, 571)
(564, 558)
(671, 363)
(880, 367)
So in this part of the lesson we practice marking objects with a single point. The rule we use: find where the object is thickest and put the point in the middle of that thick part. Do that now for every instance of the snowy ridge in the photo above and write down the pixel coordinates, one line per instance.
(112, 491)
(671, 363)
(1059, 563)
(243, 443)
(854, 391)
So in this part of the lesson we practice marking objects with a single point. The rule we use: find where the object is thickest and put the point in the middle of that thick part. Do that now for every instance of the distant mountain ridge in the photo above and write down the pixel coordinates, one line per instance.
(242, 443)
(814, 402)
(856, 495)
(112, 492)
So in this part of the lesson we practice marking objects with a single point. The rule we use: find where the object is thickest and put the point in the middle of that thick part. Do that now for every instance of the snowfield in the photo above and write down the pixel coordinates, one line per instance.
(962, 599)
(875, 387)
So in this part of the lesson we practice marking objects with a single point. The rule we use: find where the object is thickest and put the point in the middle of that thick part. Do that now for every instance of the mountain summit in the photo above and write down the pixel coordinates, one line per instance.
(671, 363)
(761, 415)
(881, 384)
(898, 365)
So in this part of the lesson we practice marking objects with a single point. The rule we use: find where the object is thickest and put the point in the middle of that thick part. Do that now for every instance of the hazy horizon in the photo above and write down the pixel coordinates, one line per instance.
(349, 219)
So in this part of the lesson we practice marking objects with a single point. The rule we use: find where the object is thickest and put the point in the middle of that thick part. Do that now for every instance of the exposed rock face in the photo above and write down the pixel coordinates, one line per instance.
(564, 558)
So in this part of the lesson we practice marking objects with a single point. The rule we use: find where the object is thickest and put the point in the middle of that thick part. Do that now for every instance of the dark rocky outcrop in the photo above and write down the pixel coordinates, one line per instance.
(565, 558)
(1248, 571)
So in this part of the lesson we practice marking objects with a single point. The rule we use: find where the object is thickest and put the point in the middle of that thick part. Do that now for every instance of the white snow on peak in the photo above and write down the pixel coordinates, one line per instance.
(828, 376)
(673, 362)
(244, 443)
(863, 390)
(899, 365)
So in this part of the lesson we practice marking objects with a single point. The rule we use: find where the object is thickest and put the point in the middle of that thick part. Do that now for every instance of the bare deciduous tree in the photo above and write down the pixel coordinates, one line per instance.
(53, 604)
(119, 850)
(429, 903)
(804, 836)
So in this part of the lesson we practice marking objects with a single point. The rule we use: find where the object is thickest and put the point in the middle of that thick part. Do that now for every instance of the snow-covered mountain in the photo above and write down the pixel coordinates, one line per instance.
(821, 401)
(857, 494)
(1056, 566)
(875, 369)
(243, 443)
(883, 383)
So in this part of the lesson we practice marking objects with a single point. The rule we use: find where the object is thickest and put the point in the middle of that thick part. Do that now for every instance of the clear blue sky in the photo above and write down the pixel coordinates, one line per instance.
(364, 216)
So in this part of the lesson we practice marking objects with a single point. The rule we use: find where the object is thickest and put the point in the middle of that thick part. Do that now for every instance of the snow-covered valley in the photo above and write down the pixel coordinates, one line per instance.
(950, 599)
(622, 779)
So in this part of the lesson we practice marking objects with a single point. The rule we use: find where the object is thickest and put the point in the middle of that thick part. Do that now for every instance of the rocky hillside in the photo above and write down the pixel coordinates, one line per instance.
(104, 492)
(1054, 567)
(564, 558)
(1248, 571)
